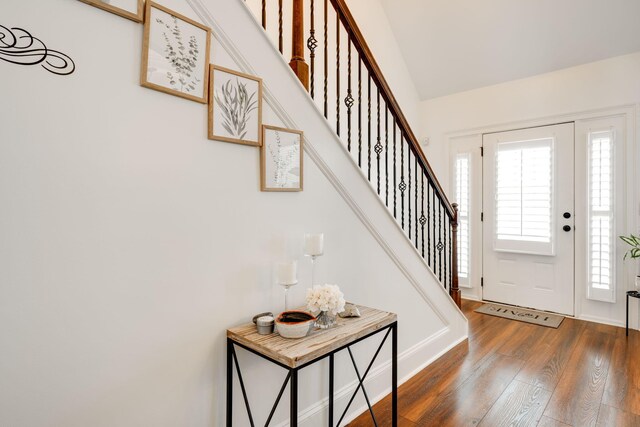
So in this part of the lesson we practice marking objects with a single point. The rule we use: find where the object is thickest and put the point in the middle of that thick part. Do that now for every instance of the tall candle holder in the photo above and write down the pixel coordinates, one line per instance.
(313, 248)
(287, 277)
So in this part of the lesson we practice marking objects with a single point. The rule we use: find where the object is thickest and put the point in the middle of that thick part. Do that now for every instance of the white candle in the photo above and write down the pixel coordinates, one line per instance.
(287, 273)
(313, 244)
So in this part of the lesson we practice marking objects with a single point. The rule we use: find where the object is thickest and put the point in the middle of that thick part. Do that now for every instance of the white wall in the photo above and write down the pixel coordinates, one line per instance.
(544, 99)
(130, 242)
(609, 83)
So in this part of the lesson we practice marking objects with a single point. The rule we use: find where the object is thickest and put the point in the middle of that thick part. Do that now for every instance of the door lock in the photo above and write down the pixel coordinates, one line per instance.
(567, 228)
(567, 215)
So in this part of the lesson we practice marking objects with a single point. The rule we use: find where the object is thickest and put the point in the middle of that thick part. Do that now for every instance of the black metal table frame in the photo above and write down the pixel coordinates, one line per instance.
(292, 377)
(632, 294)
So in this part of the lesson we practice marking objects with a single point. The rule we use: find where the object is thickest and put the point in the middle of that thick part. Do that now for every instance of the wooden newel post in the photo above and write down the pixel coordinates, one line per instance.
(455, 290)
(297, 63)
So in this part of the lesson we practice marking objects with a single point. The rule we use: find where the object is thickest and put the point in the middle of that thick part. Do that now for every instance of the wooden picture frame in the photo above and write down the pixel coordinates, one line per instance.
(281, 157)
(158, 72)
(135, 15)
(222, 127)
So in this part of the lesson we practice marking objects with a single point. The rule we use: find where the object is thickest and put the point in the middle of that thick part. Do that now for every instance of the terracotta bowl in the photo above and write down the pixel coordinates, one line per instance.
(294, 323)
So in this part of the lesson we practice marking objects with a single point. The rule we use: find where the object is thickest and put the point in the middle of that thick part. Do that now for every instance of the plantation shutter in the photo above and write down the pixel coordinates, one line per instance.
(523, 197)
(601, 217)
(462, 190)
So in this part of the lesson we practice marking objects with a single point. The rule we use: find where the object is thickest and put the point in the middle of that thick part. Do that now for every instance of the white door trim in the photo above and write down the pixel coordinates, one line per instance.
(631, 112)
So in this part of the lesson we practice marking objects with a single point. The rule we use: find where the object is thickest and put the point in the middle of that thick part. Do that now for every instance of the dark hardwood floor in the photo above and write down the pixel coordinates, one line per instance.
(511, 373)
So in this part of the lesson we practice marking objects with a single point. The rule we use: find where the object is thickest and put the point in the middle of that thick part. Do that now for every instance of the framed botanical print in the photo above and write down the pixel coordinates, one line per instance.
(175, 54)
(131, 9)
(281, 159)
(235, 106)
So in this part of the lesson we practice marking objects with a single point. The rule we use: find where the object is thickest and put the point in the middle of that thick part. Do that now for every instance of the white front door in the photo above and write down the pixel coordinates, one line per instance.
(528, 206)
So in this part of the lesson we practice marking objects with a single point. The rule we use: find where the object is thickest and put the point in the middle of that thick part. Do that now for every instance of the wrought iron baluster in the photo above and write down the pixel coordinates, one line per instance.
(428, 222)
(312, 44)
(434, 220)
(409, 187)
(444, 236)
(386, 155)
(348, 101)
(369, 125)
(415, 199)
(403, 185)
(423, 220)
(338, 99)
(450, 254)
(440, 247)
(378, 147)
(280, 46)
(326, 60)
(359, 111)
(395, 184)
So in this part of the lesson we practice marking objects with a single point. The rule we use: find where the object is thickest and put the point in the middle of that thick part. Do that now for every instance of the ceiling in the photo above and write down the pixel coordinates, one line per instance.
(456, 45)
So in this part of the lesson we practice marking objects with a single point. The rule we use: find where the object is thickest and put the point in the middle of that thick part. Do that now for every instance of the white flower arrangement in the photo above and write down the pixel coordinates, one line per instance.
(325, 298)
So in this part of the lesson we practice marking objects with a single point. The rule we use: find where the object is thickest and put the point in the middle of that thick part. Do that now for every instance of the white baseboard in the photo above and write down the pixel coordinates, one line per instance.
(410, 362)
(472, 298)
(602, 320)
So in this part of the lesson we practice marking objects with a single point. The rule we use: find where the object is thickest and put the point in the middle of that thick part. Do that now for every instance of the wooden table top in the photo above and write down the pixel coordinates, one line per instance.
(297, 352)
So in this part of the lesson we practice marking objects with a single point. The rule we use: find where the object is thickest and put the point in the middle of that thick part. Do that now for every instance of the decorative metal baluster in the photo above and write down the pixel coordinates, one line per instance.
(280, 26)
(312, 44)
(359, 111)
(378, 147)
(348, 101)
(428, 222)
(338, 74)
(369, 125)
(423, 220)
(440, 246)
(434, 220)
(450, 254)
(386, 155)
(415, 198)
(394, 167)
(409, 187)
(264, 14)
(444, 236)
(326, 60)
(403, 185)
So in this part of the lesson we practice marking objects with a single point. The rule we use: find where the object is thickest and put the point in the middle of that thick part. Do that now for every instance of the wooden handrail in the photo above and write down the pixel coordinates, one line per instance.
(385, 90)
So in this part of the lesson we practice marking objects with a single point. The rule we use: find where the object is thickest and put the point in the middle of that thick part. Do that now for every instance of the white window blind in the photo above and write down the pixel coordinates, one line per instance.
(601, 219)
(462, 190)
(523, 196)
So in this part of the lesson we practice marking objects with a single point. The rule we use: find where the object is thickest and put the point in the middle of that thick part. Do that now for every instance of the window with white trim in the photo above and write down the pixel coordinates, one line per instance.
(462, 190)
(523, 196)
(601, 245)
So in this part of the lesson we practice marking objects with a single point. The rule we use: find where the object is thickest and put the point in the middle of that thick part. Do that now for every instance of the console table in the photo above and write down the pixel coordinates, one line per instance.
(632, 294)
(296, 354)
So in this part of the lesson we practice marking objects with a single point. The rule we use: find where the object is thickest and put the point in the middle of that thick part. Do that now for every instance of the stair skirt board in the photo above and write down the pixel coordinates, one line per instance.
(521, 314)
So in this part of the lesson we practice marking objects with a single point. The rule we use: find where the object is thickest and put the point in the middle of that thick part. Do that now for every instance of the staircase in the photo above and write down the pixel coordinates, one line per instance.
(333, 62)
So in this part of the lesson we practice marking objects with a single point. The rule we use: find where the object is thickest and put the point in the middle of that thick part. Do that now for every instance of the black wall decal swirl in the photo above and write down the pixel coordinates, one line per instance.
(18, 46)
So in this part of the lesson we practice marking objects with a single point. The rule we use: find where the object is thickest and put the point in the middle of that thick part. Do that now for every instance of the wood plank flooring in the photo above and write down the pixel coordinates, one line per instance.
(511, 373)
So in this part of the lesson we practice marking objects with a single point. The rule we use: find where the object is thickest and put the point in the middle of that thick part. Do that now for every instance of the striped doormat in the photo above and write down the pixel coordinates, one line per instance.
(522, 314)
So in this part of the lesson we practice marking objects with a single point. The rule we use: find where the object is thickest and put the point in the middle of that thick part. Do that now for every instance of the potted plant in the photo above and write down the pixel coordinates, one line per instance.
(633, 252)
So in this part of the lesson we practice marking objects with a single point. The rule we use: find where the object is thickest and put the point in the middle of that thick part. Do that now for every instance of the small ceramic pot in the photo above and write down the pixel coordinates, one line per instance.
(294, 324)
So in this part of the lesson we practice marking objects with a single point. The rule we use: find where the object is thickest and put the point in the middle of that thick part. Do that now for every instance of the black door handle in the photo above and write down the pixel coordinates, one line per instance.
(567, 215)
(567, 228)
